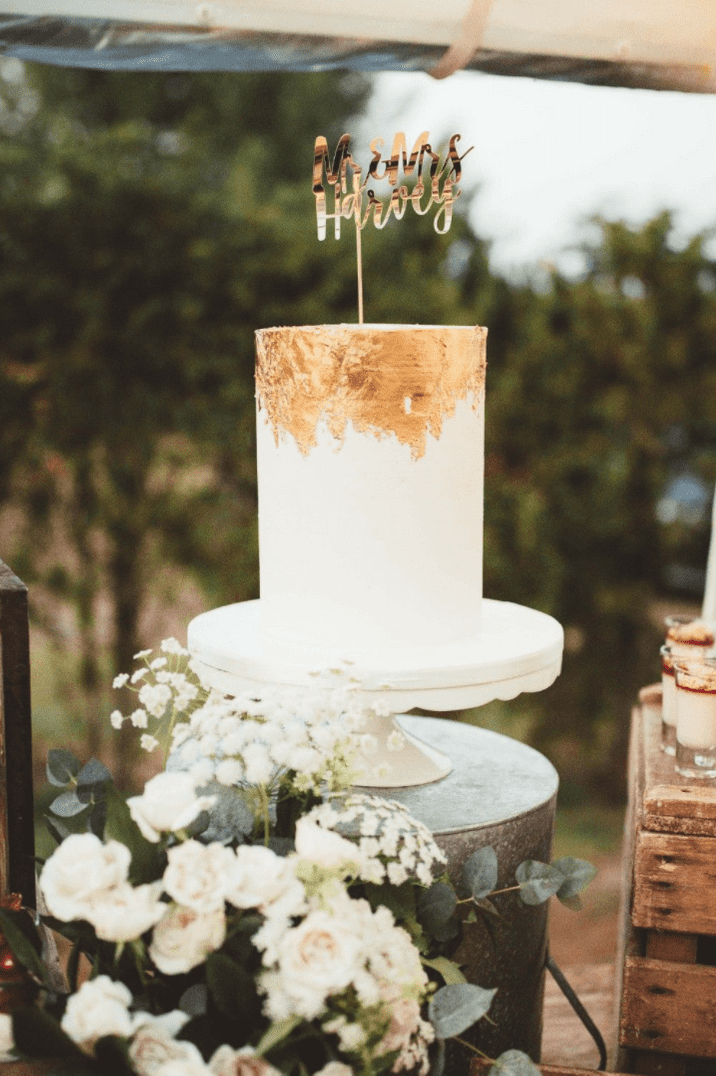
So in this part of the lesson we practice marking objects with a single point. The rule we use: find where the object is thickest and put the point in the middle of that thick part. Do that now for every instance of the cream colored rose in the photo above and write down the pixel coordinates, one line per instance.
(78, 870)
(124, 913)
(335, 1068)
(100, 1007)
(199, 875)
(184, 938)
(324, 846)
(183, 1068)
(261, 879)
(169, 803)
(317, 958)
(404, 1021)
(244, 1062)
(154, 1044)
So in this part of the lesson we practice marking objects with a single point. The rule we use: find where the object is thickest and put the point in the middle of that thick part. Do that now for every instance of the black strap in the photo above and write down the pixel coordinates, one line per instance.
(579, 1009)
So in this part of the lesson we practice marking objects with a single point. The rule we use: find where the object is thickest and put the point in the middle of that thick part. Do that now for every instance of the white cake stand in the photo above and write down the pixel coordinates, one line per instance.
(518, 649)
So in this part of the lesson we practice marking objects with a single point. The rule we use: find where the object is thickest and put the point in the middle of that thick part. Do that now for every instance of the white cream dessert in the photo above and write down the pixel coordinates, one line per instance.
(689, 639)
(696, 705)
(370, 469)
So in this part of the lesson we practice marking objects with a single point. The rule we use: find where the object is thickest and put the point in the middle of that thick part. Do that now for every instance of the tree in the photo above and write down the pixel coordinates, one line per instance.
(592, 378)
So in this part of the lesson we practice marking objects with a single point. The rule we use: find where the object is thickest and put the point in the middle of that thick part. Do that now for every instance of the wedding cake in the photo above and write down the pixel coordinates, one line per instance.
(370, 446)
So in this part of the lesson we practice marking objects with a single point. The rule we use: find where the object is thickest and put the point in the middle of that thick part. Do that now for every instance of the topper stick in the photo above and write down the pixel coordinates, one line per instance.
(359, 250)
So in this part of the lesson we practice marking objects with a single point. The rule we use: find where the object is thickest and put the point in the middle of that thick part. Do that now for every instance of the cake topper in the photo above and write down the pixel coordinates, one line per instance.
(439, 191)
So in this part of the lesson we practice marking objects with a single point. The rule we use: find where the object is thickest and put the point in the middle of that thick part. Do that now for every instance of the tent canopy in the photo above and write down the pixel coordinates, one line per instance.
(657, 44)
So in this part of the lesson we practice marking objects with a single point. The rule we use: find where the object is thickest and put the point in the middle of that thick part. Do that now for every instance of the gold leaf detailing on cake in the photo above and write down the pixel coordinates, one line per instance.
(402, 380)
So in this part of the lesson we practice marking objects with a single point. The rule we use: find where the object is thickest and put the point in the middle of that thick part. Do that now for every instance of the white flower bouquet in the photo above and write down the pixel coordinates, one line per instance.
(248, 915)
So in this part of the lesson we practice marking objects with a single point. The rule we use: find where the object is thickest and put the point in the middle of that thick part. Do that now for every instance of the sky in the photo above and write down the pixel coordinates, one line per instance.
(549, 155)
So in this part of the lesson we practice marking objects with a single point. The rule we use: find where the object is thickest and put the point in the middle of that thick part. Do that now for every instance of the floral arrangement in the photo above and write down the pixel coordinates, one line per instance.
(248, 914)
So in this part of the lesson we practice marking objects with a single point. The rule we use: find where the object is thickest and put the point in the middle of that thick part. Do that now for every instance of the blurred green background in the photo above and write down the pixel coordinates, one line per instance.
(148, 224)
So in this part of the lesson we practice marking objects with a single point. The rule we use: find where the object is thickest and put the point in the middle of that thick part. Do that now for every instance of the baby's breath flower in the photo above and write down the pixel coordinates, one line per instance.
(120, 680)
(173, 646)
(389, 839)
(381, 707)
(148, 743)
(139, 719)
(396, 740)
(158, 663)
(116, 719)
(142, 654)
(138, 675)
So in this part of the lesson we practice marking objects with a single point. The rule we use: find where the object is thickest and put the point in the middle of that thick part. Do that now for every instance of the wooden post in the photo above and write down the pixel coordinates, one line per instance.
(17, 834)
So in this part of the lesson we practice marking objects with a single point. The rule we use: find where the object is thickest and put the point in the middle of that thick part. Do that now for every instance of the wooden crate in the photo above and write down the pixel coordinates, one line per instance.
(667, 993)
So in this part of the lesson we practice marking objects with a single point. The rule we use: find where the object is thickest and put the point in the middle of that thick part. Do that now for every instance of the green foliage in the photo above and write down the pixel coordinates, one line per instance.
(479, 872)
(513, 1063)
(457, 1006)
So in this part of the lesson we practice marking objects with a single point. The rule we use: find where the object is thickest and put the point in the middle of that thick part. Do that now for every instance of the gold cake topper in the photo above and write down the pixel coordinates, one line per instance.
(440, 191)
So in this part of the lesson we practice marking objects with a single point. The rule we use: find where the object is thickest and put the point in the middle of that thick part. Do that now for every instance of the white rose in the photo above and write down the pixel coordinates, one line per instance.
(244, 1062)
(404, 1021)
(184, 938)
(183, 1068)
(261, 878)
(318, 958)
(80, 868)
(154, 1045)
(324, 846)
(124, 913)
(335, 1068)
(198, 875)
(168, 803)
(100, 1007)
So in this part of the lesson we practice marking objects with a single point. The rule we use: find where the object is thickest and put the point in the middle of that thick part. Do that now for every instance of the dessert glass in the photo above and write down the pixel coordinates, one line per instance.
(668, 701)
(696, 718)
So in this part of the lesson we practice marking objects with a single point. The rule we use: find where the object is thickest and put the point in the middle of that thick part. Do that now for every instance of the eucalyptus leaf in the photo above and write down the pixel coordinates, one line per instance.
(98, 818)
(435, 907)
(514, 1063)
(276, 1034)
(455, 1008)
(93, 773)
(57, 830)
(479, 872)
(67, 805)
(447, 968)
(577, 873)
(538, 881)
(490, 909)
(22, 937)
(194, 1000)
(199, 825)
(62, 767)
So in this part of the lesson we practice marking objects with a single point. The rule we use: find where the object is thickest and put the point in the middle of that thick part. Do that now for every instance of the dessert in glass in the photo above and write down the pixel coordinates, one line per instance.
(687, 638)
(696, 718)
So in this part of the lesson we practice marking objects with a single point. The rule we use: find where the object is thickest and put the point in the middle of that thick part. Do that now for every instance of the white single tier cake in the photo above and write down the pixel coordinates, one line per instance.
(370, 471)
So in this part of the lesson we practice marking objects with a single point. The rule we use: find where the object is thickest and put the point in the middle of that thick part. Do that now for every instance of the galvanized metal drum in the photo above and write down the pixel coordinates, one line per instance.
(499, 793)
